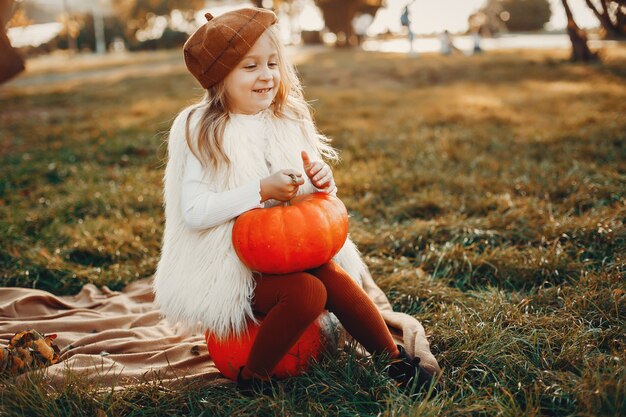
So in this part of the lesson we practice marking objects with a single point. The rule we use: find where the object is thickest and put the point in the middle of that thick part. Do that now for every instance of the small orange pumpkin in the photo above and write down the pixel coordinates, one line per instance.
(232, 353)
(285, 239)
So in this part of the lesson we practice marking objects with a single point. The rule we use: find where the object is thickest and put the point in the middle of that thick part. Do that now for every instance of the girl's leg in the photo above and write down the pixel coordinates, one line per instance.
(290, 302)
(355, 310)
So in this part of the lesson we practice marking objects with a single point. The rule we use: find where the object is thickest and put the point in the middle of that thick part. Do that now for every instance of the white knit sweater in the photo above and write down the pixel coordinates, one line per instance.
(203, 208)
(199, 278)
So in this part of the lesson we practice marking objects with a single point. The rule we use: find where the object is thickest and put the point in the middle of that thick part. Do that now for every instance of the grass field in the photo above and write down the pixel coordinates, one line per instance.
(502, 176)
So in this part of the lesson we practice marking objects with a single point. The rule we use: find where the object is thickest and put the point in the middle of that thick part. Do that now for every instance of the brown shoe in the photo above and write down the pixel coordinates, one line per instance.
(410, 376)
(252, 386)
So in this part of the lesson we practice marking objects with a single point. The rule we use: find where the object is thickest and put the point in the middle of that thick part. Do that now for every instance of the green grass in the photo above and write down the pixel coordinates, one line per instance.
(500, 176)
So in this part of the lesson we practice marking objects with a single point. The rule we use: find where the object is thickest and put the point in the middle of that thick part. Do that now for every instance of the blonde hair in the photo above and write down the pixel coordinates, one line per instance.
(288, 103)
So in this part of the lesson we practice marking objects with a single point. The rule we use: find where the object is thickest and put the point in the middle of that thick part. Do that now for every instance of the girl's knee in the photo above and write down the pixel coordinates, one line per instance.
(308, 294)
(329, 267)
(332, 274)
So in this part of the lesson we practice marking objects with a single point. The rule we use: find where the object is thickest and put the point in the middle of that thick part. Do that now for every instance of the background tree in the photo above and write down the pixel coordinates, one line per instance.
(36, 12)
(292, 8)
(136, 14)
(11, 63)
(612, 16)
(338, 15)
(497, 16)
(525, 15)
(486, 20)
(83, 35)
(71, 27)
(19, 18)
(578, 37)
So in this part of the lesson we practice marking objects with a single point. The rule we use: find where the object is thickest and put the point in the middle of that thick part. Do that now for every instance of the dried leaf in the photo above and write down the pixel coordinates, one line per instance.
(27, 349)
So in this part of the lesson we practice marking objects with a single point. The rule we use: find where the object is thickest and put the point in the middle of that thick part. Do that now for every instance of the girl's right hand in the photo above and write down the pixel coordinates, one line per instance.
(282, 185)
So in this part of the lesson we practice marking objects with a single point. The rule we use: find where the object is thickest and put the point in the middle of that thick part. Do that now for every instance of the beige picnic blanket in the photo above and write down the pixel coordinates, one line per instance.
(120, 338)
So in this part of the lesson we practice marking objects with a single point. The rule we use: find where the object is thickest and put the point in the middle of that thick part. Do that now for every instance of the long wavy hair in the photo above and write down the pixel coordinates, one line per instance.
(289, 103)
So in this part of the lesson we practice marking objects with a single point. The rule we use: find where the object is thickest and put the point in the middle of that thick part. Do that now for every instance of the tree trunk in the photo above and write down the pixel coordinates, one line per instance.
(580, 49)
(338, 17)
(611, 28)
(11, 63)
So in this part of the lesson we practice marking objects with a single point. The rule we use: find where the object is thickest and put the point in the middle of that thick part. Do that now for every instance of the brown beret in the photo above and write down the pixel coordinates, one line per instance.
(220, 44)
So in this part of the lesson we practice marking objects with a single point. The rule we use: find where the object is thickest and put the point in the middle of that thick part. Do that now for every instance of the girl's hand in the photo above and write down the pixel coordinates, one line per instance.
(282, 185)
(320, 174)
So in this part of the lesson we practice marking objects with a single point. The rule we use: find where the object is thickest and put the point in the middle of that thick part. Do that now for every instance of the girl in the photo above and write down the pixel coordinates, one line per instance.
(251, 143)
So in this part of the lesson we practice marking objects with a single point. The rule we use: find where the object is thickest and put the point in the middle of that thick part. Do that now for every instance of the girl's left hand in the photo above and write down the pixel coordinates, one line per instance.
(320, 174)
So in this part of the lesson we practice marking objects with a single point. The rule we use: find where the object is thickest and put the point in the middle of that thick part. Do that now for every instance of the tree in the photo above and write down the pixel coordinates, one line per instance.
(523, 15)
(612, 16)
(578, 37)
(513, 15)
(20, 18)
(338, 15)
(11, 63)
(136, 14)
(486, 20)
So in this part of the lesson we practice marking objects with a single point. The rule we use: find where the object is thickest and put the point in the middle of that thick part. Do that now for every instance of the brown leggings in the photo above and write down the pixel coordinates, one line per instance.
(291, 302)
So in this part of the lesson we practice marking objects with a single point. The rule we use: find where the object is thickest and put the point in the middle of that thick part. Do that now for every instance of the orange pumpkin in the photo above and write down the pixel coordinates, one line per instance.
(232, 353)
(284, 239)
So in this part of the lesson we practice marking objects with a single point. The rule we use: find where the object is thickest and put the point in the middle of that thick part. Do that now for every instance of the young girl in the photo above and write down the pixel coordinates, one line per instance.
(251, 143)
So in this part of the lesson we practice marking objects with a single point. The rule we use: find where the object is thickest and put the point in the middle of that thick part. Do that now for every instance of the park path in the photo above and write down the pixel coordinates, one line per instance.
(54, 69)
(49, 70)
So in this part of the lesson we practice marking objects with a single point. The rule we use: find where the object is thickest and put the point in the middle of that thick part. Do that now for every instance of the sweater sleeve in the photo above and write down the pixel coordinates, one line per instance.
(203, 208)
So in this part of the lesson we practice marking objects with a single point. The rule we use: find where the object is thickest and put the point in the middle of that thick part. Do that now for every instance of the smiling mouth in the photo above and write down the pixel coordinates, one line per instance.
(263, 90)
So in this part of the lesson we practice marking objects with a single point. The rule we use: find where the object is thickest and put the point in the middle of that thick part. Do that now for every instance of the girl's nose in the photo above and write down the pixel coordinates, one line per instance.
(266, 74)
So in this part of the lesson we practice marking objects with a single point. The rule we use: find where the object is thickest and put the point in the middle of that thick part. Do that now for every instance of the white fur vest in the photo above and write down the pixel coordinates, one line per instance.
(199, 278)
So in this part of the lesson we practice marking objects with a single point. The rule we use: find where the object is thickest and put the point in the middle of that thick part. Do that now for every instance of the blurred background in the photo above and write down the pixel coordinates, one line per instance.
(483, 167)
(39, 27)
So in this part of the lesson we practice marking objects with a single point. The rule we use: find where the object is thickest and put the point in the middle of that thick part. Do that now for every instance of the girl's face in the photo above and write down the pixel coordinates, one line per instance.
(252, 85)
